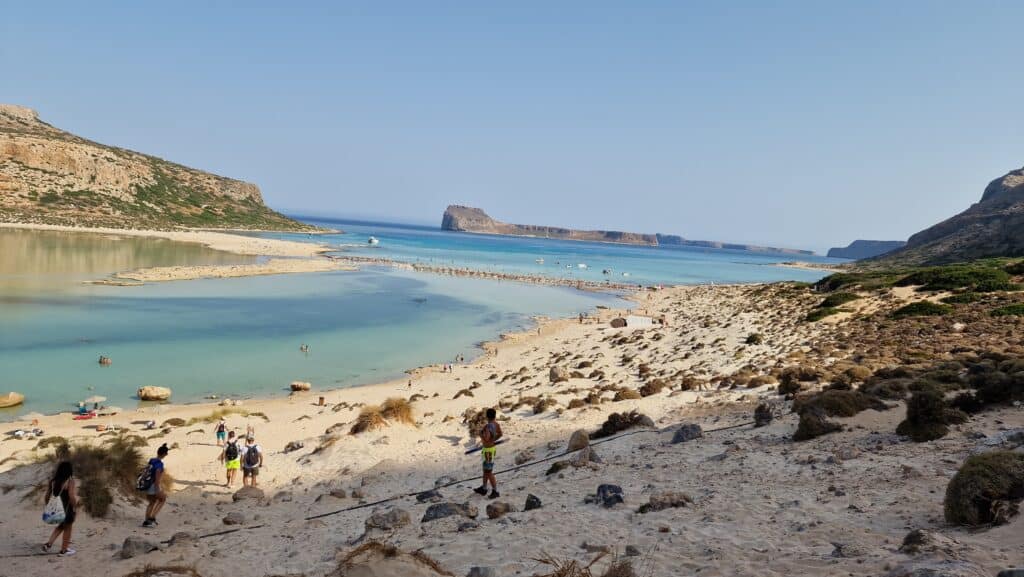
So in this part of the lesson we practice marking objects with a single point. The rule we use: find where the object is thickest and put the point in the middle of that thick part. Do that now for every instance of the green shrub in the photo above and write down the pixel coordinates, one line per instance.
(922, 309)
(962, 298)
(820, 313)
(814, 424)
(838, 403)
(983, 481)
(996, 286)
(754, 339)
(953, 277)
(928, 417)
(1016, 310)
(837, 299)
(1016, 268)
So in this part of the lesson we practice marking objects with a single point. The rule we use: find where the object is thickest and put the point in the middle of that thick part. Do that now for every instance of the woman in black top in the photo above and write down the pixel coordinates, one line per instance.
(64, 485)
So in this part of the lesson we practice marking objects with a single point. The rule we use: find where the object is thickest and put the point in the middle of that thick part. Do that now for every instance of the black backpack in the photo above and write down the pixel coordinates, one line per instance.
(231, 451)
(145, 479)
(252, 457)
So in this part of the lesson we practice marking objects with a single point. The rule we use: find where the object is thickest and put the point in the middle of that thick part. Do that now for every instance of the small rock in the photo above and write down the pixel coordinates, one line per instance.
(293, 446)
(498, 509)
(849, 550)
(558, 374)
(609, 495)
(666, 500)
(134, 546)
(632, 551)
(595, 548)
(431, 496)
(578, 440)
(532, 502)
(584, 457)
(468, 526)
(339, 493)
(442, 510)
(482, 572)
(389, 520)
(937, 569)
(524, 456)
(234, 518)
(687, 433)
(924, 541)
(443, 480)
(357, 493)
(183, 538)
(248, 493)
(846, 454)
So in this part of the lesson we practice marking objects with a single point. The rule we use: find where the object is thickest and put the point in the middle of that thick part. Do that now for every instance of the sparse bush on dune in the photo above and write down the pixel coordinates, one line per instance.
(620, 422)
(652, 387)
(1015, 310)
(625, 394)
(369, 419)
(573, 568)
(921, 309)
(820, 313)
(838, 403)
(837, 299)
(986, 489)
(754, 339)
(962, 298)
(953, 277)
(813, 424)
(103, 471)
(928, 417)
(397, 410)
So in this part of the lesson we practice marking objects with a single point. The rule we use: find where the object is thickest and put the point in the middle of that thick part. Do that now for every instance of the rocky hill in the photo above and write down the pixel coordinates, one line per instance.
(469, 219)
(859, 249)
(992, 227)
(49, 176)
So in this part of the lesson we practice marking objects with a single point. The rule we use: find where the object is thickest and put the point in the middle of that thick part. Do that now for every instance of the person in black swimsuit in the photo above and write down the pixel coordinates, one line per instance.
(64, 485)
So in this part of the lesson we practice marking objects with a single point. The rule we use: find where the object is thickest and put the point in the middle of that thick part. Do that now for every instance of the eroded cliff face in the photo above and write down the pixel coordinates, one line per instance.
(469, 219)
(991, 227)
(51, 176)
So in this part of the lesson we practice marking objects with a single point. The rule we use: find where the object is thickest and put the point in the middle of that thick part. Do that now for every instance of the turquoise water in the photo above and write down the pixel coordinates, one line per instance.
(240, 337)
(642, 264)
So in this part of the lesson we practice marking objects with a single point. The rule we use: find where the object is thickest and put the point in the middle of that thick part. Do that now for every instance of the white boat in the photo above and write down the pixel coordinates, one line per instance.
(625, 274)
(539, 261)
(581, 265)
(373, 240)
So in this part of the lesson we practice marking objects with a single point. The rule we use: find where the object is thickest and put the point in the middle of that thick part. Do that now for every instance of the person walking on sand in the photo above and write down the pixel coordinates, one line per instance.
(231, 456)
(252, 460)
(222, 432)
(489, 436)
(63, 484)
(151, 481)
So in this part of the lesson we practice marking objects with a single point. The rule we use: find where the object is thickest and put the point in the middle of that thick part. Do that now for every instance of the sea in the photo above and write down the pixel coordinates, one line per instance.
(241, 337)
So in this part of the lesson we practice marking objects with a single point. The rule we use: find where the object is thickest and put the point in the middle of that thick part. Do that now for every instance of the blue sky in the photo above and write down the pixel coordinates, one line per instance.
(802, 124)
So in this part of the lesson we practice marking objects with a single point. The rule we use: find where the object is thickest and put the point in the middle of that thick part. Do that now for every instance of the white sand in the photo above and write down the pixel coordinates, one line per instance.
(762, 503)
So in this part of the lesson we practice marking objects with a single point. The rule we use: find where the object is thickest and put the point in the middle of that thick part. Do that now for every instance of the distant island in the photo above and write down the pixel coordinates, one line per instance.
(49, 176)
(859, 249)
(469, 219)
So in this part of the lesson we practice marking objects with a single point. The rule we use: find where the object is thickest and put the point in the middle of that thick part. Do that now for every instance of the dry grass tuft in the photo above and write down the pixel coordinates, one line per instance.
(366, 554)
(102, 471)
(398, 410)
(370, 419)
(165, 570)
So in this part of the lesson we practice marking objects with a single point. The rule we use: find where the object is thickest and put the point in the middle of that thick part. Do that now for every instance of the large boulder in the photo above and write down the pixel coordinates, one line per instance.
(389, 520)
(558, 374)
(579, 439)
(152, 393)
(442, 510)
(135, 546)
(248, 493)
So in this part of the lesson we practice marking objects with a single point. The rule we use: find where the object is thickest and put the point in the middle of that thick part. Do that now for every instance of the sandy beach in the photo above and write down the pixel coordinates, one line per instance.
(758, 502)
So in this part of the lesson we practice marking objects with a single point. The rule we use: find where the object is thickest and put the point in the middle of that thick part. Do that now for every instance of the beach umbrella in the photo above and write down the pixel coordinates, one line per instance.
(95, 399)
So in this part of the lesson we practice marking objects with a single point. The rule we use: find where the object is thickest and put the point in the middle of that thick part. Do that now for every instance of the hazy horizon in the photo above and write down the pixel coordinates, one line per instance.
(799, 124)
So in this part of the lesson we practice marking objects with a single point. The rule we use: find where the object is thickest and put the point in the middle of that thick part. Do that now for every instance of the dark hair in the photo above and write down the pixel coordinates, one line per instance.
(491, 413)
(162, 451)
(61, 476)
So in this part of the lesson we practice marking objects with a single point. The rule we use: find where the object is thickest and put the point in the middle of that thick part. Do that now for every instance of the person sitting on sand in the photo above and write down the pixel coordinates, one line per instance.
(489, 436)
(222, 432)
(154, 490)
(231, 456)
(64, 485)
(252, 460)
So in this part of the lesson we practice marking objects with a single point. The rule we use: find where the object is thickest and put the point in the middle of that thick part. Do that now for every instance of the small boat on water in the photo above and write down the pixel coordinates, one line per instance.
(625, 274)
(581, 265)
(539, 261)
(11, 399)
(373, 240)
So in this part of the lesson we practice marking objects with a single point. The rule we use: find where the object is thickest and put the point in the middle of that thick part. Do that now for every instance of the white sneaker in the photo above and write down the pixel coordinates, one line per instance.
(67, 552)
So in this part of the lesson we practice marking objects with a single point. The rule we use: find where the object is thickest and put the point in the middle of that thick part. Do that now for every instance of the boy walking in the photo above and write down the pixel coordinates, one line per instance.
(252, 460)
(231, 456)
(489, 436)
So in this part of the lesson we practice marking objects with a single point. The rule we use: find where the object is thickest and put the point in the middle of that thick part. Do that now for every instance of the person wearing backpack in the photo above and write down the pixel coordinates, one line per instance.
(231, 456)
(150, 481)
(63, 485)
(252, 460)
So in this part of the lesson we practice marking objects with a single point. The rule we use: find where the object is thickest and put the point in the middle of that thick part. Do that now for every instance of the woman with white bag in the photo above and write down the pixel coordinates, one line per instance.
(61, 500)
